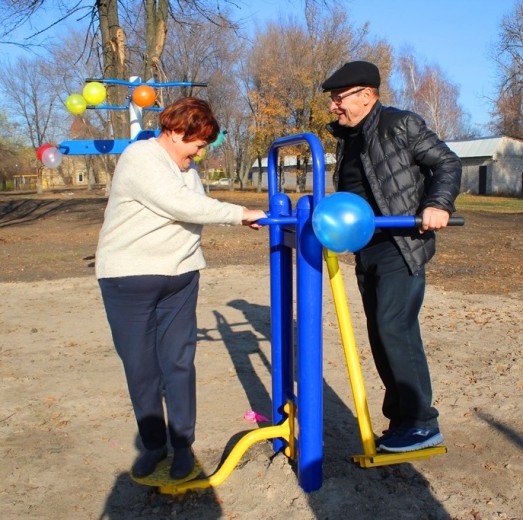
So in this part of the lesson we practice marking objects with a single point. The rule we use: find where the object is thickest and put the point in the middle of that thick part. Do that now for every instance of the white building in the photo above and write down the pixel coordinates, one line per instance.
(491, 165)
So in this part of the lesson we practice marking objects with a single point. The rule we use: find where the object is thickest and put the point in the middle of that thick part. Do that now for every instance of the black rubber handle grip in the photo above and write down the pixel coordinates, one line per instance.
(453, 221)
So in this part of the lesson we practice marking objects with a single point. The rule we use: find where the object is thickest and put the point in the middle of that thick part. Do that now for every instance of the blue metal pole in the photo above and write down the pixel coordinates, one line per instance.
(309, 349)
(309, 345)
(281, 314)
(395, 221)
(401, 221)
(138, 82)
(102, 146)
(318, 162)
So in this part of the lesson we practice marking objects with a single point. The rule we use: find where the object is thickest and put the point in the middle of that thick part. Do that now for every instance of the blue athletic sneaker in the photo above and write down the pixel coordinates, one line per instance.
(386, 434)
(410, 439)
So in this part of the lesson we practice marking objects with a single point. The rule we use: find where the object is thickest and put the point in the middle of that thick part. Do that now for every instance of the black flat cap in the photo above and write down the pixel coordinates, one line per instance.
(352, 74)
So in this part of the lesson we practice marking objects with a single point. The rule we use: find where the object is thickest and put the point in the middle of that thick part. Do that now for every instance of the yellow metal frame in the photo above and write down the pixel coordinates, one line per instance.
(286, 431)
(370, 457)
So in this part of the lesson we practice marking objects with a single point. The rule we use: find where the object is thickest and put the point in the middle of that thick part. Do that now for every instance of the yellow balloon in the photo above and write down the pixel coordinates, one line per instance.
(201, 157)
(94, 93)
(76, 104)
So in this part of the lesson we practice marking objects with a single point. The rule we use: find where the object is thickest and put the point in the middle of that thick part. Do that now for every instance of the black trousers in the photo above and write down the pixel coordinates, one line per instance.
(153, 324)
(392, 299)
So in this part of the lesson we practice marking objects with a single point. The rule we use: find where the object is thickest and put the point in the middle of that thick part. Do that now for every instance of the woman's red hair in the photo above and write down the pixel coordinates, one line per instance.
(192, 117)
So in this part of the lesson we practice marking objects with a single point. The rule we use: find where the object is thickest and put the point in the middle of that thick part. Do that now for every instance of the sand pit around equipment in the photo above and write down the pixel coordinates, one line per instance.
(67, 431)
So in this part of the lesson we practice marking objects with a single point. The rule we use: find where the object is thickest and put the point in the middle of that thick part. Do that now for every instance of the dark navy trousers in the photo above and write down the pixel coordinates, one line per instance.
(392, 299)
(153, 324)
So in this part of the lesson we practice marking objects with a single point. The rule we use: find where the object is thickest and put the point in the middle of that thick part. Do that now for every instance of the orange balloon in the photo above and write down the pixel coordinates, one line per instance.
(144, 96)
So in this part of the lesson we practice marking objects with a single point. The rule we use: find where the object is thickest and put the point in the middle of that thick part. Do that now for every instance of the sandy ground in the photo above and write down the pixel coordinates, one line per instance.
(68, 434)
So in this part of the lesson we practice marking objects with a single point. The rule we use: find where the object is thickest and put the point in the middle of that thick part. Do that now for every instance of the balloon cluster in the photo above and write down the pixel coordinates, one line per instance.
(214, 144)
(49, 155)
(343, 222)
(93, 94)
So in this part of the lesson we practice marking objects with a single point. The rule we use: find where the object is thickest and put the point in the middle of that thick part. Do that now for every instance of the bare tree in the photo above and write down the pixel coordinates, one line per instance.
(14, 156)
(507, 116)
(123, 34)
(32, 91)
(426, 91)
(156, 18)
(115, 63)
(105, 20)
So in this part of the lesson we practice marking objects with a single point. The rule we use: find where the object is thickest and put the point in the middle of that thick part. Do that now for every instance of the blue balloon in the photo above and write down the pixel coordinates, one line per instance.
(219, 139)
(343, 222)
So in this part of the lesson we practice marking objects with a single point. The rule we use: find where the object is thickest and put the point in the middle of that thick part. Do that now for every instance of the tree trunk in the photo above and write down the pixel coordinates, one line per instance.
(156, 12)
(39, 183)
(281, 175)
(114, 64)
(260, 172)
(301, 183)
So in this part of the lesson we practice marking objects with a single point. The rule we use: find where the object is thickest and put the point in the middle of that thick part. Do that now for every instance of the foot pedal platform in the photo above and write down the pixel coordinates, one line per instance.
(161, 478)
(384, 459)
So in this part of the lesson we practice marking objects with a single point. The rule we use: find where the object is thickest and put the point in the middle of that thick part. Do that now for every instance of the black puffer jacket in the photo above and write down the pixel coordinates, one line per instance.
(409, 168)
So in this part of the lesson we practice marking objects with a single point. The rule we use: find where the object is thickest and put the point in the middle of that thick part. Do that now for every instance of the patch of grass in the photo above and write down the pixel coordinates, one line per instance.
(467, 202)
(464, 202)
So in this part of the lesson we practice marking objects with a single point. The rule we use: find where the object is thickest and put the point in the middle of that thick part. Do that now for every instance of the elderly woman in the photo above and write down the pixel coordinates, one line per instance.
(147, 263)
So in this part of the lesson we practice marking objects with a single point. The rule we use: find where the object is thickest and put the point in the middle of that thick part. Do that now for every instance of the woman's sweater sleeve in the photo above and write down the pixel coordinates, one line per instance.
(145, 174)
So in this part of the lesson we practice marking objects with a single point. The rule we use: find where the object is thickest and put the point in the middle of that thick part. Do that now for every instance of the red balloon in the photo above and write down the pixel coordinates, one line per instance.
(144, 96)
(42, 149)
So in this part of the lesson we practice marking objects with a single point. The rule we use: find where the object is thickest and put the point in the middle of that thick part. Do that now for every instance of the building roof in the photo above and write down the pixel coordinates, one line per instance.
(467, 148)
(481, 147)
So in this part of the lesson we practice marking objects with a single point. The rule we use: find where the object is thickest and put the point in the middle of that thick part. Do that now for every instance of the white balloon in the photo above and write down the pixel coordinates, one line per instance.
(52, 157)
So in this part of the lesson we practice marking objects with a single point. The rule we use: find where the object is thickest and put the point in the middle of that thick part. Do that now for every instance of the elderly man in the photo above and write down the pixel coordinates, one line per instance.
(390, 158)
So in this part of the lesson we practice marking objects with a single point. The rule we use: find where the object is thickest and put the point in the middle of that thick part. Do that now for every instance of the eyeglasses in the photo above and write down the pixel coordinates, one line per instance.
(338, 99)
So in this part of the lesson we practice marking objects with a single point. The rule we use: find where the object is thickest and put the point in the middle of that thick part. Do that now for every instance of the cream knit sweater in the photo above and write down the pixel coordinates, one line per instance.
(154, 216)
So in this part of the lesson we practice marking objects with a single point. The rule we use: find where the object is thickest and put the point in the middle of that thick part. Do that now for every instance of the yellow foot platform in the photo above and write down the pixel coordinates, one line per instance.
(386, 458)
(160, 478)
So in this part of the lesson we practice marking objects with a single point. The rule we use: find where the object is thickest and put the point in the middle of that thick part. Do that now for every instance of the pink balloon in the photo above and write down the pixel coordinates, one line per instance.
(41, 149)
(52, 157)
